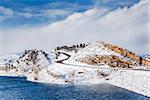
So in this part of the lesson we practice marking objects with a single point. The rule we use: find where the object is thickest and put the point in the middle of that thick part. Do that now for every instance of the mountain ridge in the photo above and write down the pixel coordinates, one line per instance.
(36, 63)
(110, 52)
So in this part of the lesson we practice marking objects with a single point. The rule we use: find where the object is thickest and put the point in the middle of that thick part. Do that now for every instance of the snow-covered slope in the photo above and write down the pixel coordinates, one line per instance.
(81, 64)
(8, 59)
(99, 53)
(25, 63)
(92, 54)
(31, 57)
(70, 50)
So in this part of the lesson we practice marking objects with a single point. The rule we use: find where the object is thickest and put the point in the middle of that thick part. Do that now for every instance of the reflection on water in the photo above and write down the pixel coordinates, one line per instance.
(13, 88)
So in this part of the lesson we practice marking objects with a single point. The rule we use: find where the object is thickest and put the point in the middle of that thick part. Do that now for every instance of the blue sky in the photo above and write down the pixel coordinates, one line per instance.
(46, 24)
(27, 13)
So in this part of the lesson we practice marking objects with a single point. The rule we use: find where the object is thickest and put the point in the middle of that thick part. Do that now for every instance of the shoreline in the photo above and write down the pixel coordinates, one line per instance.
(132, 80)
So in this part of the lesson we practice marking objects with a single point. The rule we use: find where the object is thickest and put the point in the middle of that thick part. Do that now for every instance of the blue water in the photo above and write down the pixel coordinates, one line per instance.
(14, 88)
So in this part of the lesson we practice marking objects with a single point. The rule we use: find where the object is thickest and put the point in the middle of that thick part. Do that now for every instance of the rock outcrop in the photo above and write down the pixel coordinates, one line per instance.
(111, 60)
(98, 53)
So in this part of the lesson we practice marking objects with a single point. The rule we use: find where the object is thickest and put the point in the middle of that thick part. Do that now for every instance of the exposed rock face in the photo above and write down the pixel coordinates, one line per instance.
(146, 60)
(129, 54)
(98, 53)
(111, 60)
(147, 57)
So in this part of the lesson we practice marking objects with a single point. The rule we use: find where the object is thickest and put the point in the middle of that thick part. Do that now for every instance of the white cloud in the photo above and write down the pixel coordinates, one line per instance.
(67, 5)
(55, 12)
(26, 14)
(5, 13)
(50, 13)
(127, 27)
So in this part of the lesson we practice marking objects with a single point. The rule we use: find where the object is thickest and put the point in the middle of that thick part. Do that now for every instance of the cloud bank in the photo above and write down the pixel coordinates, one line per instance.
(126, 27)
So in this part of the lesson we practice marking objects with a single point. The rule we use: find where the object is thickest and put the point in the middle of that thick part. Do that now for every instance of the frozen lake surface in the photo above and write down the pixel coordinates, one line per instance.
(14, 88)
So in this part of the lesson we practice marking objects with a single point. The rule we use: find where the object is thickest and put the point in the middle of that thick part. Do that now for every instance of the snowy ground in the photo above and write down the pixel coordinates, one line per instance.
(136, 81)
(133, 80)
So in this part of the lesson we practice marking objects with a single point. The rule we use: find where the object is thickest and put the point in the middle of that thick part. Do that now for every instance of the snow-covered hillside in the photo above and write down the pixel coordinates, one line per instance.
(100, 53)
(95, 54)
(91, 63)
(28, 62)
